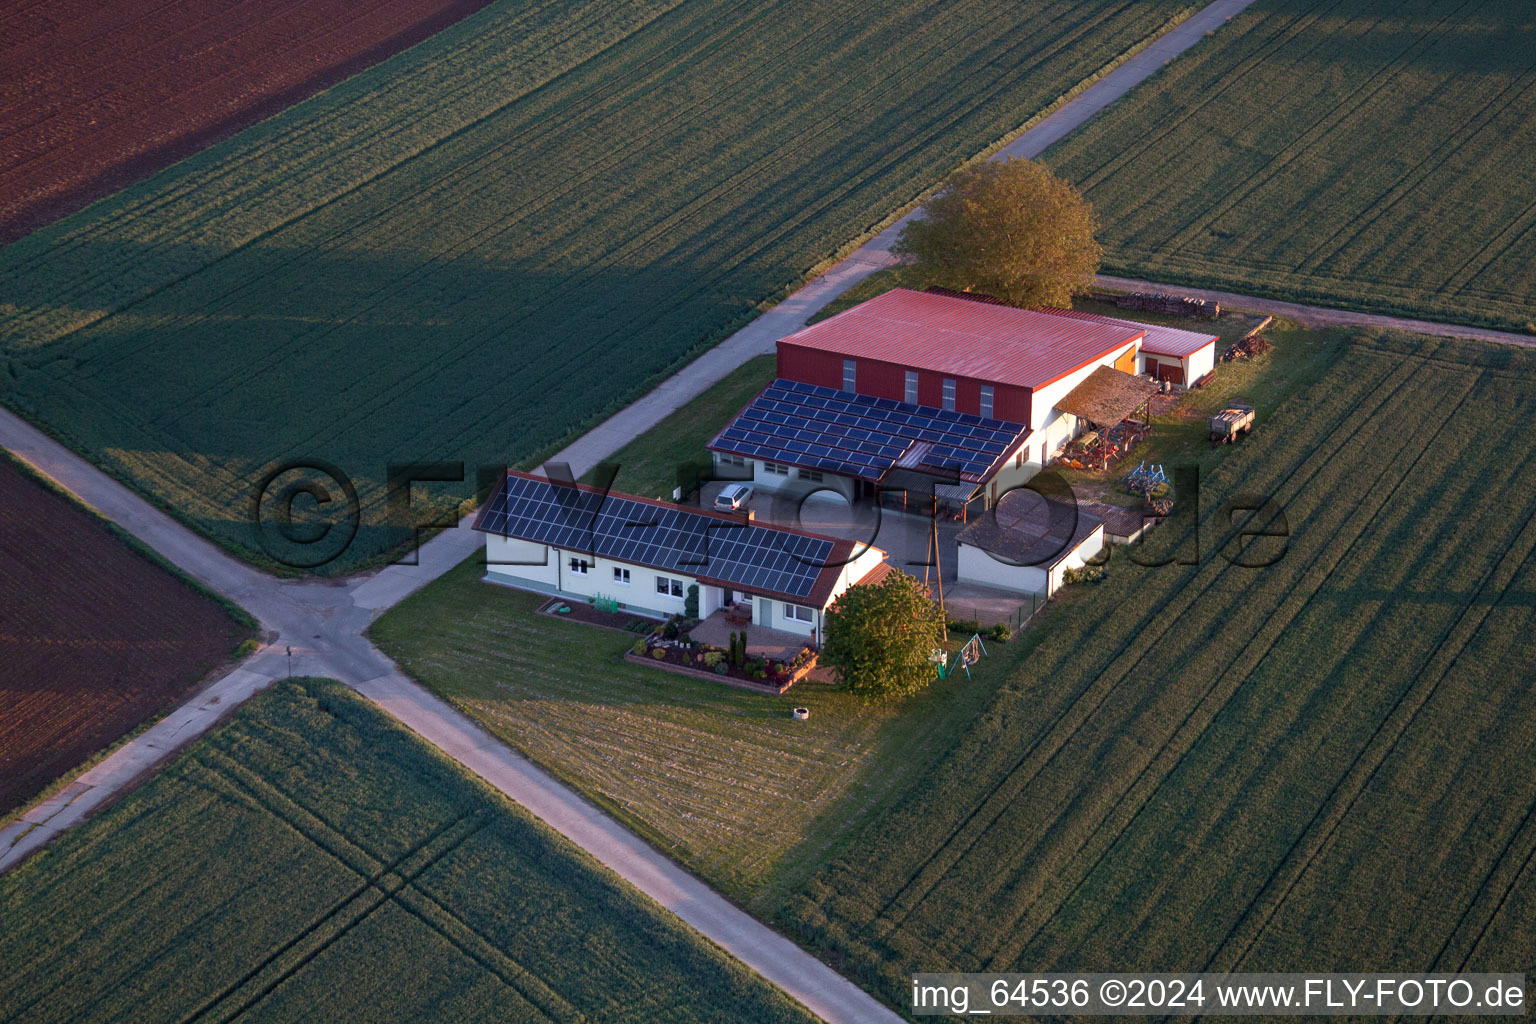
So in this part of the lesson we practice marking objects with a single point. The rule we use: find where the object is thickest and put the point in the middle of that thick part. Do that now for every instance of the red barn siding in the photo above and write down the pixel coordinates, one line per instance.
(881, 379)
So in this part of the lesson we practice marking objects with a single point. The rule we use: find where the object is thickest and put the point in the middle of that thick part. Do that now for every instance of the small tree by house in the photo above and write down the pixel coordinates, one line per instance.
(1009, 229)
(880, 637)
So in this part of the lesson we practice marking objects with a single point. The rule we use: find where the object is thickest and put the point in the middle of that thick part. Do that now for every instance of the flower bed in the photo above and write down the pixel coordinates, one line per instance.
(670, 646)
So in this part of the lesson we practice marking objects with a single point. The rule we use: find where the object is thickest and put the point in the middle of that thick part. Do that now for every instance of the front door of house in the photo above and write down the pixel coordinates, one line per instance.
(764, 612)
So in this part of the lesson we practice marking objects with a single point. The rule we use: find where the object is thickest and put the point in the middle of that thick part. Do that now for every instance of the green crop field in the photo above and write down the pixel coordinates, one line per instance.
(472, 249)
(311, 860)
(1378, 155)
(1322, 764)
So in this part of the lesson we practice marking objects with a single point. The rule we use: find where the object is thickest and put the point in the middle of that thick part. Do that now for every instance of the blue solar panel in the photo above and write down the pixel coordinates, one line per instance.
(859, 435)
(681, 540)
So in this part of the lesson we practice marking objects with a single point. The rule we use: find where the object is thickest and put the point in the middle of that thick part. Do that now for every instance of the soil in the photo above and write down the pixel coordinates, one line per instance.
(95, 639)
(99, 95)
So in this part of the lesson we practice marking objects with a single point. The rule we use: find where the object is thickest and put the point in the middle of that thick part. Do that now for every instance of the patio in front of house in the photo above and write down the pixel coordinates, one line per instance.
(763, 641)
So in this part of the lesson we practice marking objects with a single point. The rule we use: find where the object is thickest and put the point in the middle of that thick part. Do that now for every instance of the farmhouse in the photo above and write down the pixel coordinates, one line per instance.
(580, 542)
(912, 384)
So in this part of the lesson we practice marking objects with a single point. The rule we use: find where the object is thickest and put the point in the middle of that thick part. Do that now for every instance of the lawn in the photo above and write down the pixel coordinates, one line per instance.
(651, 465)
(480, 245)
(723, 779)
(1377, 155)
(108, 636)
(1322, 764)
(312, 860)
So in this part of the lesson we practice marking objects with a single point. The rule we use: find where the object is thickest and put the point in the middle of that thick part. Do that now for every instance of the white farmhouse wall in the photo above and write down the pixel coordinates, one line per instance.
(976, 566)
(554, 575)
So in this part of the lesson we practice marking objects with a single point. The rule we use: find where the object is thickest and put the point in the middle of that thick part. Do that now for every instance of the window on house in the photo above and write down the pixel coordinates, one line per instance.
(798, 612)
(813, 475)
(579, 566)
(731, 460)
(986, 401)
(621, 576)
(949, 394)
(775, 469)
(849, 376)
(911, 395)
(666, 586)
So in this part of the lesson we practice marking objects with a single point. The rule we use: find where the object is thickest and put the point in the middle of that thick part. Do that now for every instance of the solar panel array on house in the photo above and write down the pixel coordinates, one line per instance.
(859, 435)
(732, 552)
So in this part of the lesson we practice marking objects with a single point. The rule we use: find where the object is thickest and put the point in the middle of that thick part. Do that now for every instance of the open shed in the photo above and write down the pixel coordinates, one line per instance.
(1111, 399)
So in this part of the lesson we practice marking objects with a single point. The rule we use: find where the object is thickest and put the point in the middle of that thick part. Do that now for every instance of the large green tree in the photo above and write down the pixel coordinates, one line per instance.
(881, 637)
(1010, 229)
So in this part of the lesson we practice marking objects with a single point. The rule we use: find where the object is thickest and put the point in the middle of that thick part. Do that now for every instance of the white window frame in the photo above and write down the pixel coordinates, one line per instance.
(813, 475)
(985, 405)
(850, 375)
(621, 576)
(579, 566)
(666, 586)
(731, 460)
(948, 401)
(798, 613)
(775, 469)
(910, 393)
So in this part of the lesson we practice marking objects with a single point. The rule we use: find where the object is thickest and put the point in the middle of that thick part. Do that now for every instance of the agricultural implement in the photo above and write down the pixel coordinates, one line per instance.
(1145, 479)
(1231, 423)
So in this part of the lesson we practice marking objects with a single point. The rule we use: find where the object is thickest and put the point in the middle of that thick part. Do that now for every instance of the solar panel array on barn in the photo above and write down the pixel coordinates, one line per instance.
(862, 436)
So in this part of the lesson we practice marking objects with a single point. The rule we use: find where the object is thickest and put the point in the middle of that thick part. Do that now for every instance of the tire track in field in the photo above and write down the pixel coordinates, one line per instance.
(1275, 634)
(373, 886)
(1204, 709)
(1413, 177)
(1285, 33)
(1314, 838)
(990, 807)
(64, 941)
(1523, 830)
(1521, 225)
(268, 799)
(1338, 114)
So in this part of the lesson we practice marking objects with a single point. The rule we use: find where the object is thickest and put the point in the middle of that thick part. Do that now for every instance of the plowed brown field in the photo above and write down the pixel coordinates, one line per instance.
(95, 95)
(94, 638)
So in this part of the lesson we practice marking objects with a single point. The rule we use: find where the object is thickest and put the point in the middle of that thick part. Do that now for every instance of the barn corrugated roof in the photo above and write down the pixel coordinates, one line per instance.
(1160, 340)
(1023, 347)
